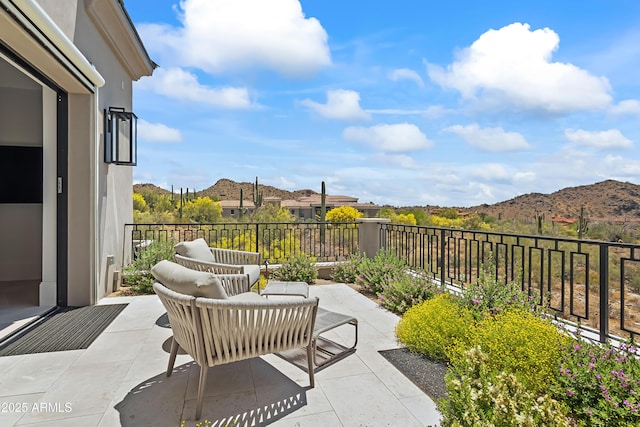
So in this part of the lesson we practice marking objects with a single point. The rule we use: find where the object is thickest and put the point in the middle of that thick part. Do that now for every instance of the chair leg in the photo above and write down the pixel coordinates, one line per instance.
(172, 356)
(310, 351)
(201, 386)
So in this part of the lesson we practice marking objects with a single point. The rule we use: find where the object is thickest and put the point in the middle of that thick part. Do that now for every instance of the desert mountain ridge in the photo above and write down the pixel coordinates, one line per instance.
(605, 200)
(608, 200)
(227, 189)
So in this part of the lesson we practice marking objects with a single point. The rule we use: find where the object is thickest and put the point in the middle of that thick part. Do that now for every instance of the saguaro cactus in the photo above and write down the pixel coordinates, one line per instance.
(539, 220)
(583, 224)
(241, 207)
(257, 194)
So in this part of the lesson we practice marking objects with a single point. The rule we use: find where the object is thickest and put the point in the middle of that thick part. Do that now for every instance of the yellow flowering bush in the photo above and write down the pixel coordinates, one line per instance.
(518, 342)
(477, 395)
(432, 326)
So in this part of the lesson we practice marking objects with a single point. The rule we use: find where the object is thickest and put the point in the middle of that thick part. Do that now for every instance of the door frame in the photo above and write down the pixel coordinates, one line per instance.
(62, 145)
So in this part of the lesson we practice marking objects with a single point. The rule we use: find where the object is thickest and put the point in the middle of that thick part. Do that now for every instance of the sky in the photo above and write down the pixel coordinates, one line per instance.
(403, 103)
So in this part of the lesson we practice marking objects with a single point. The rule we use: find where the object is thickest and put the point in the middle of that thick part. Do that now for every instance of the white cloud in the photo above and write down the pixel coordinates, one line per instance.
(389, 138)
(432, 112)
(601, 140)
(624, 168)
(491, 172)
(157, 132)
(629, 106)
(406, 74)
(395, 160)
(513, 65)
(180, 84)
(490, 139)
(341, 104)
(220, 36)
(281, 182)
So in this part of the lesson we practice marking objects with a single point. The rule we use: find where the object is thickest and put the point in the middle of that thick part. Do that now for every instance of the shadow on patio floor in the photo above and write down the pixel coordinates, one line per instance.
(245, 393)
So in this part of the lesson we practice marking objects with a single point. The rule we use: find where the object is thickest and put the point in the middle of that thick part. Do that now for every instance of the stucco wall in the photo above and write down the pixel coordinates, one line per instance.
(111, 189)
(114, 183)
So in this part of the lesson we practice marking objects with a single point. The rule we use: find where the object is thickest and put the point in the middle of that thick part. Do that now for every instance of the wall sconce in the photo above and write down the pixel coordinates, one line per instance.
(120, 137)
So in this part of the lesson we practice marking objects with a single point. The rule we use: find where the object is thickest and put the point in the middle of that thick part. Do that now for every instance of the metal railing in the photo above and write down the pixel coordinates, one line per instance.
(276, 242)
(592, 283)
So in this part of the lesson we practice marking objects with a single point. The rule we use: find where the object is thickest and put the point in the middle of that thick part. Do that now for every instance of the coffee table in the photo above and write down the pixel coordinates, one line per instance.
(286, 288)
(325, 351)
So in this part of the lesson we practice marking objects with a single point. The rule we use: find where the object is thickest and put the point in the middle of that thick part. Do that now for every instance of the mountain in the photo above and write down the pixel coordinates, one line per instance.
(226, 189)
(607, 200)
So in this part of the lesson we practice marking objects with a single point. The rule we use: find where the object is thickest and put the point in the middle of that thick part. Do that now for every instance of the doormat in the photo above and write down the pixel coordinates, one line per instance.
(70, 328)
(427, 374)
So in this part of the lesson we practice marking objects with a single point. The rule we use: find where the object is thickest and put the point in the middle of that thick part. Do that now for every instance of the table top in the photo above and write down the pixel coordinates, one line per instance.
(327, 320)
(286, 288)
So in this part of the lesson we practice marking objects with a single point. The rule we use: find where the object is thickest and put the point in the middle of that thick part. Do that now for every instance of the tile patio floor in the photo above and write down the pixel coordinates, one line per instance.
(119, 380)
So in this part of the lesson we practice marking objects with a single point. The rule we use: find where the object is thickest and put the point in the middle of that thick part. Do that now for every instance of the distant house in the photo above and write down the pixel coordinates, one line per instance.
(438, 211)
(303, 208)
(231, 208)
(563, 221)
(66, 73)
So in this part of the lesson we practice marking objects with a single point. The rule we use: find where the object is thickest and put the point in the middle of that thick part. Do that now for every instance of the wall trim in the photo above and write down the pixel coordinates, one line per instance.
(115, 26)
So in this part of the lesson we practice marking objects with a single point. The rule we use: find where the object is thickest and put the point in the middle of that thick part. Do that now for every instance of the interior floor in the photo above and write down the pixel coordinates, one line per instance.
(19, 292)
(19, 305)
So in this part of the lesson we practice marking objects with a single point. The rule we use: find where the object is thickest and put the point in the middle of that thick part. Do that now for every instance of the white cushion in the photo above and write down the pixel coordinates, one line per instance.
(253, 271)
(248, 297)
(197, 249)
(186, 281)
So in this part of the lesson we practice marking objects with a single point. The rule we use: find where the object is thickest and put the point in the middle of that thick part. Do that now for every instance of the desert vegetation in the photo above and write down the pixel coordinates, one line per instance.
(508, 362)
(614, 223)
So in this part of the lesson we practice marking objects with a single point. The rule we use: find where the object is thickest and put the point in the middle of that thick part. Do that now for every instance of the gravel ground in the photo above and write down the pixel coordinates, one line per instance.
(427, 374)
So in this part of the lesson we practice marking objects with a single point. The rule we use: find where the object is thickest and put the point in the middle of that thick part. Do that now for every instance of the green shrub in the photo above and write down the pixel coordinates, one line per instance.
(348, 270)
(376, 272)
(600, 384)
(299, 268)
(406, 291)
(431, 327)
(477, 395)
(138, 273)
(518, 342)
(488, 296)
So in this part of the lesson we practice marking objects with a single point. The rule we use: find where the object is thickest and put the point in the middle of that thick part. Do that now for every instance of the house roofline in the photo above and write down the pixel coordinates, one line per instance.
(115, 25)
(35, 20)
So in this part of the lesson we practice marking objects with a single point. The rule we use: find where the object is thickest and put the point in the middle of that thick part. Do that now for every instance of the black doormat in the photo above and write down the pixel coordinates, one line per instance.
(427, 374)
(70, 328)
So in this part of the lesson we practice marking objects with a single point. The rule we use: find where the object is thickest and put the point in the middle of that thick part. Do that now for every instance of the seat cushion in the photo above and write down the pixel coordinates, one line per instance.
(197, 249)
(189, 282)
(248, 297)
(253, 271)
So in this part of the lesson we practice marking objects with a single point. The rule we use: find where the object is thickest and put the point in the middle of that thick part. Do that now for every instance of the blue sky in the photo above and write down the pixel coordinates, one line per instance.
(454, 103)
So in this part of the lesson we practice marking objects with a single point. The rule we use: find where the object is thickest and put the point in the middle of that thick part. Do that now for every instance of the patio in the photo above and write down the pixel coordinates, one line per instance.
(120, 379)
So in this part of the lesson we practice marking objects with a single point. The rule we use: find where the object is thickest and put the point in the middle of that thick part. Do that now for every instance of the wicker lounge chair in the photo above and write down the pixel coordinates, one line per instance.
(197, 255)
(215, 331)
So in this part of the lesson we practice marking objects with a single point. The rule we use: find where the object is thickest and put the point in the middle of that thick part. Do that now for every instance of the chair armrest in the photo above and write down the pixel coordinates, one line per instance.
(234, 257)
(211, 267)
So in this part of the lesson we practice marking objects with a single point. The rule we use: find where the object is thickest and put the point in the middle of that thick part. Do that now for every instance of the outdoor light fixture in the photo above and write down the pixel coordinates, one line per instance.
(120, 137)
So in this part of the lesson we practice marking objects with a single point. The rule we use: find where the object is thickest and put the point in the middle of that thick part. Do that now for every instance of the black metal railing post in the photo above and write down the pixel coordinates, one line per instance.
(257, 237)
(604, 292)
(442, 255)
